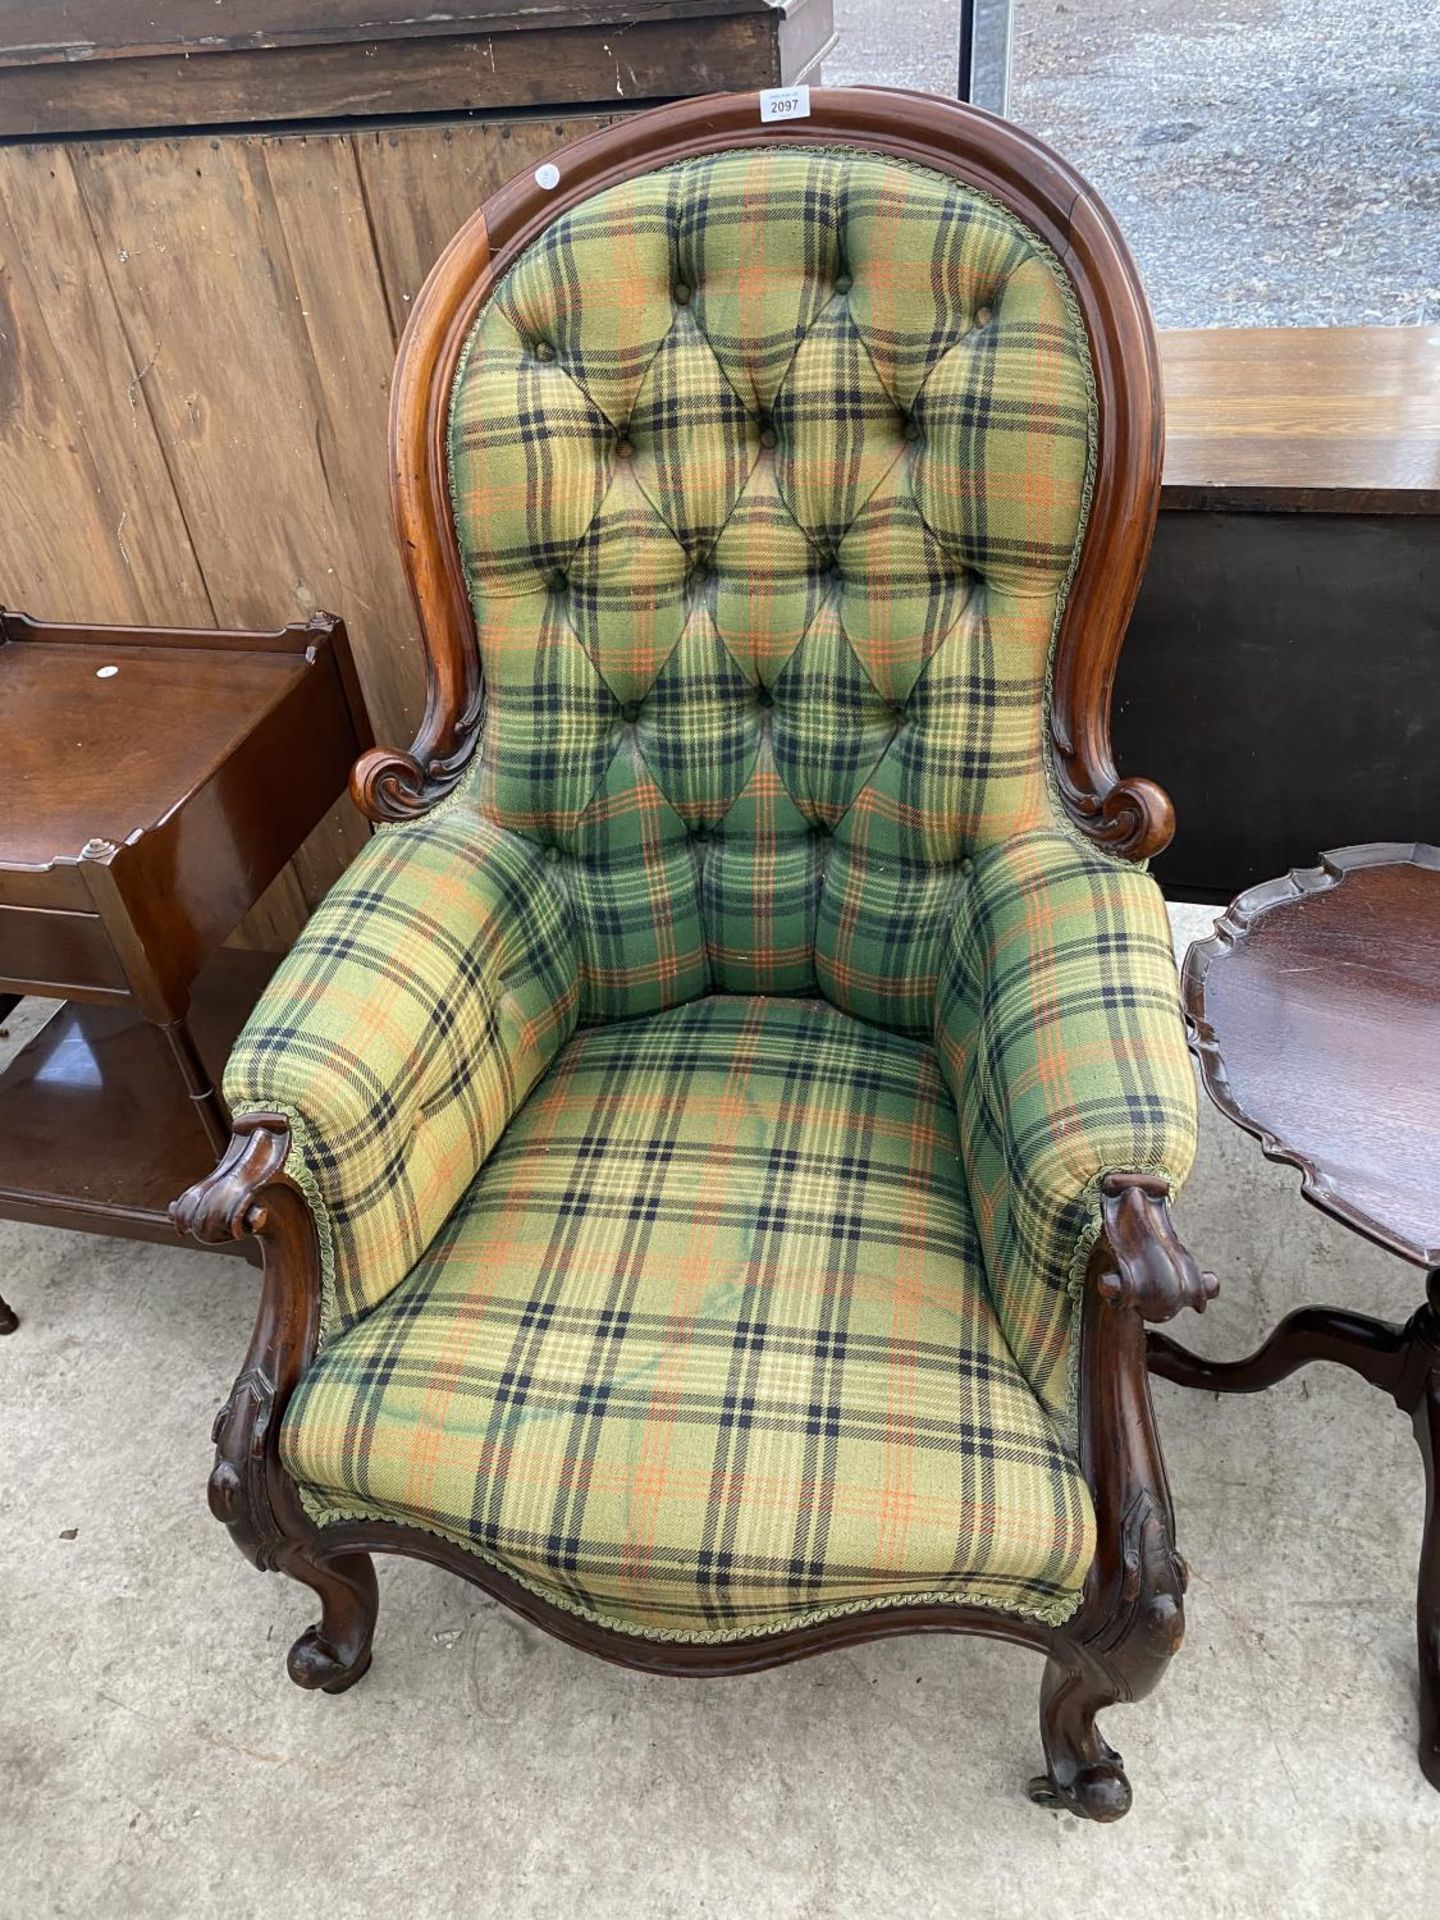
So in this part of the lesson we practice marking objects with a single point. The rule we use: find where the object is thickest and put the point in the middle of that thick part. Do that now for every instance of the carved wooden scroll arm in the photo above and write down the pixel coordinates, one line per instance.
(249, 1192)
(1147, 1267)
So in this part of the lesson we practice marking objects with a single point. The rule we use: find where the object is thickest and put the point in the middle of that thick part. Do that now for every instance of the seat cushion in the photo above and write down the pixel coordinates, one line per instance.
(706, 1350)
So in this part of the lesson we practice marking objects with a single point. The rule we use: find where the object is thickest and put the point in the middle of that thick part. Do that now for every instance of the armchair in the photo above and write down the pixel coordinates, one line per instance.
(711, 1153)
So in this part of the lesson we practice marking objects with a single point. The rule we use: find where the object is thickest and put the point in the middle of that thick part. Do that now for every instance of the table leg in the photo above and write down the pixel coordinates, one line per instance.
(8, 1321)
(1427, 1601)
(209, 1107)
(1375, 1349)
(1405, 1363)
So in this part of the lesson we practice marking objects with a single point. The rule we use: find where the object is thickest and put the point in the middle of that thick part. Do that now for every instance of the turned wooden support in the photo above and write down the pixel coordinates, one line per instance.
(1403, 1362)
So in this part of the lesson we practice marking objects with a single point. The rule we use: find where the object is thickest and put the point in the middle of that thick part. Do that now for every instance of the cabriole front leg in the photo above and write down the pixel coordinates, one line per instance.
(250, 1492)
(335, 1653)
(1132, 1618)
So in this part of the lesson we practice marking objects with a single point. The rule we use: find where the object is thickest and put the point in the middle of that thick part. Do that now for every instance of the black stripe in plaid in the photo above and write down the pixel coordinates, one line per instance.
(707, 1345)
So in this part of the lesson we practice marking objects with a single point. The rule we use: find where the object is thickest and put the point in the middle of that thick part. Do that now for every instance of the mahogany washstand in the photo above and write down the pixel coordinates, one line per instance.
(155, 782)
(1314, 1011)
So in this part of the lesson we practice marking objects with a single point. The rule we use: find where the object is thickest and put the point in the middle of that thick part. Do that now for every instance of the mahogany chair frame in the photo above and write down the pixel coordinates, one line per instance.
(1130, 1620)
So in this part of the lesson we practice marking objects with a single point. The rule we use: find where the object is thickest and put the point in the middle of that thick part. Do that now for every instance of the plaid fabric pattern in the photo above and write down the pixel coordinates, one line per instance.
(706, 1348)
(768, 471)
(419, 1005)
(1058, 1027)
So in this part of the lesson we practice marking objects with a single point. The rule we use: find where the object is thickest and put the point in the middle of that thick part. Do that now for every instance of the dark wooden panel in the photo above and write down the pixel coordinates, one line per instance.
(43, 952)
(60, 888)
(34, 31)
(190, 880)
(633, 60)
(1279, 680)
(1319, 419)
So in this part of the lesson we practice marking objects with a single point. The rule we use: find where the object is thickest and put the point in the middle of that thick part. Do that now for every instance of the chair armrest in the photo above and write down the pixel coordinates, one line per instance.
(420, 1004)
(1059, 1030)
(1148, 1268)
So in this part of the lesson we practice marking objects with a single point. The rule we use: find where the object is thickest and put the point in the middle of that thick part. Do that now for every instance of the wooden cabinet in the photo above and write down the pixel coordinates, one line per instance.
(1279, 679)
(155, 782)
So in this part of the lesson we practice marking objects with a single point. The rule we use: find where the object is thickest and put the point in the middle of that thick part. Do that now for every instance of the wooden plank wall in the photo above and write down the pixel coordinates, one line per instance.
(196, 341)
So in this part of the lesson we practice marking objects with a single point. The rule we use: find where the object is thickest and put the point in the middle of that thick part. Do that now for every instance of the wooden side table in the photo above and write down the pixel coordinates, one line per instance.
(1314, 1011)
(156, 781)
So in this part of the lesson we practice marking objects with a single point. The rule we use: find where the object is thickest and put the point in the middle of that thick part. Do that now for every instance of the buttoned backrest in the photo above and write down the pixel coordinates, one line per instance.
(769, 472)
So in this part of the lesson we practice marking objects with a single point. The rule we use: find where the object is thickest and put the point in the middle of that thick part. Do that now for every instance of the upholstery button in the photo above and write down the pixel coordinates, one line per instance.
(554, 854)
(911, 431)
(559, 580)
(544, 350)
(843, 283)
(768, 435)
(700, 573)
(630, 711)
(624, 447)
(682, 293)
(765, 697)
(823, 829)
(983, 316)
(702, 836)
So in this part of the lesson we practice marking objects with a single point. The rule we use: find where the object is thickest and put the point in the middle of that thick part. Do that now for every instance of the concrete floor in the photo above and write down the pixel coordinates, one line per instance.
(1271, 162)
(154, 1759)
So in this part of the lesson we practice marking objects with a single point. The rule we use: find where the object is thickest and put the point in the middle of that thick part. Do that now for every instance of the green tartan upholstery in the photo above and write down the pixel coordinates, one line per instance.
(416, 1010)
(706, 1348)
(769, 470)
(704, 1108)
(1059, 1031)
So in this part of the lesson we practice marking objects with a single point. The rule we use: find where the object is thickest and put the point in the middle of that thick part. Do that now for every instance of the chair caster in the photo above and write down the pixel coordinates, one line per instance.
(1100, 1793)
